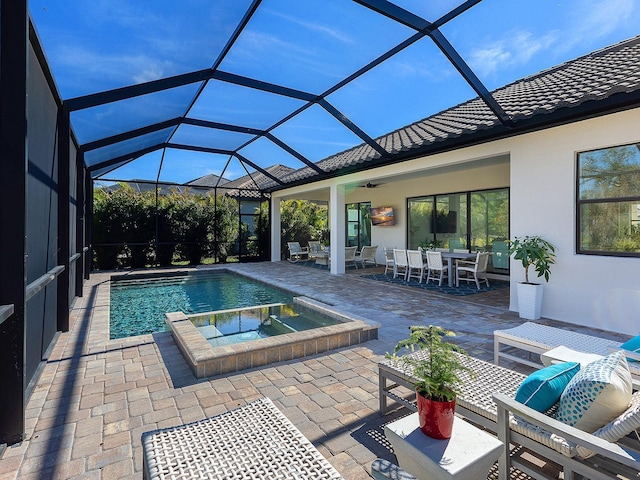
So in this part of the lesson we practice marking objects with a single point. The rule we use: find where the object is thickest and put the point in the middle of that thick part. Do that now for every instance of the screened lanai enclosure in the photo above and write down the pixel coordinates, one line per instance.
(232, 101)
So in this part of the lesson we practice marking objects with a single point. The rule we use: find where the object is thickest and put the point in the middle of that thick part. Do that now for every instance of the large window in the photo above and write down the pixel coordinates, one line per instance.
(358, 224)
(477, 221)
(608, 201)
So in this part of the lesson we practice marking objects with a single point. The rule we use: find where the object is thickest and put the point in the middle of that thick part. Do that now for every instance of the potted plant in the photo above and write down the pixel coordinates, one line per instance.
(436, 374)
(537, 252)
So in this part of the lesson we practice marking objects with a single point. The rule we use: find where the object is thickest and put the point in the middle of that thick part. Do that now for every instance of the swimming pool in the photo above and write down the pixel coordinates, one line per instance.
(138, 305)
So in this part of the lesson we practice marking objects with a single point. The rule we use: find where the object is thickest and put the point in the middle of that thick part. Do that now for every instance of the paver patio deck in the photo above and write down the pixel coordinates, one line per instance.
(96, 396)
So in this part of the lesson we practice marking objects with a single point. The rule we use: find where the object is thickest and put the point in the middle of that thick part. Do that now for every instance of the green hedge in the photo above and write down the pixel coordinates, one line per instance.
(189, 227)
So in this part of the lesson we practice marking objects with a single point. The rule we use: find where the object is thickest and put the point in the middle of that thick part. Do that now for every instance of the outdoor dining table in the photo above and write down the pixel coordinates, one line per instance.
(450, 257)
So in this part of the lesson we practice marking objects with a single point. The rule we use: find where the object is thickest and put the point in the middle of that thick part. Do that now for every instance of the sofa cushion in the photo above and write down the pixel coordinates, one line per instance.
(596, 394)
(542, 389)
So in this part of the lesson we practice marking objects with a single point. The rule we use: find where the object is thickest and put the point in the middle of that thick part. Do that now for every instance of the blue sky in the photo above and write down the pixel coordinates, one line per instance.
(306, 45)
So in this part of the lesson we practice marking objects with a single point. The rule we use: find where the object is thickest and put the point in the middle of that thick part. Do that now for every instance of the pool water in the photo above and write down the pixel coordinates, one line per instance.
(241, 325)
(138, 305)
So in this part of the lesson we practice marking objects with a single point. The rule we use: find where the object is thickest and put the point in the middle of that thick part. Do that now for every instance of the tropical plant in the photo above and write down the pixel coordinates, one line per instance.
(438, 374)
(533, 251)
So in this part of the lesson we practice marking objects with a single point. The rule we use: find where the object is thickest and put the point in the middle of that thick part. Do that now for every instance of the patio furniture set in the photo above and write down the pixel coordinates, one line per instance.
(322, 255)
(487, 399)
(258, 441)
(430, 265)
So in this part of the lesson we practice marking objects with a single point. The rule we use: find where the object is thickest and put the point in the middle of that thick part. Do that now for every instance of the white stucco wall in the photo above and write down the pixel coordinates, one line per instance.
(540, 168)
(599, 291)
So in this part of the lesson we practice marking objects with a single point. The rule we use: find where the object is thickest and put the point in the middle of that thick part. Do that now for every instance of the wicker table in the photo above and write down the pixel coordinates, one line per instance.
(255, 441)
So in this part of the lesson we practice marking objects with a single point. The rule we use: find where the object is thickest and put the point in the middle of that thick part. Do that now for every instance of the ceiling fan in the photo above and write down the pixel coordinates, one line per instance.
(370, 185)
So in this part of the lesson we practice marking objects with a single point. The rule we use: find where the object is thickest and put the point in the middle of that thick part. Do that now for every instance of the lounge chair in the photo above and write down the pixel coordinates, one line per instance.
(350, 256)
(315, 249)
(537, 432)
(367, 255)
(296, 252)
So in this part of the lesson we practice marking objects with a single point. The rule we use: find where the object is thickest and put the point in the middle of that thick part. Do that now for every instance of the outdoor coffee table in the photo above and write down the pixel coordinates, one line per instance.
(467, 455)
(255, 441)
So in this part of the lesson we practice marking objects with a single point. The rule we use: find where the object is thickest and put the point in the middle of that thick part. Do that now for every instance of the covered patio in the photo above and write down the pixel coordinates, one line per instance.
(96, 397)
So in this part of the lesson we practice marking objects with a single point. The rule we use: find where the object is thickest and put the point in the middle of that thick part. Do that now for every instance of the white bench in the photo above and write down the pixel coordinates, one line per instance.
(538, 339)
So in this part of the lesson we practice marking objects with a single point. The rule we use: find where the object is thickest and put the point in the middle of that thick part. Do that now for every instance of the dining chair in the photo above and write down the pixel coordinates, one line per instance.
(473, 271)
(435, 268)
(400, 262)
(388, 259)
(416, 266)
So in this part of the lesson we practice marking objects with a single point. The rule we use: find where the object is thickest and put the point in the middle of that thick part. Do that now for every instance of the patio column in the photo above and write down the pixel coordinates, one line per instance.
(276, 228)
(337, 227)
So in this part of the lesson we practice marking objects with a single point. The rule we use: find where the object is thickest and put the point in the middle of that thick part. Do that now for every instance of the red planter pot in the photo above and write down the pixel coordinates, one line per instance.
(436, 418)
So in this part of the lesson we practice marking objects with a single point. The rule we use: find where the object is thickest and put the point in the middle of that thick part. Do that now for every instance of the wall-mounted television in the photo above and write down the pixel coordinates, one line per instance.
(382, 216)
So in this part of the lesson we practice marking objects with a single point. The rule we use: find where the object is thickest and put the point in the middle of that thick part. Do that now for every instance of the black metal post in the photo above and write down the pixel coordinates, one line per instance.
(80, 213)
(63, 218)
(14, 36)
(88, 224)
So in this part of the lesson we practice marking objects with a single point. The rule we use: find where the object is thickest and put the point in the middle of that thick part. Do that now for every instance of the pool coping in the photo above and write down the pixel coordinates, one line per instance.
(206, 360)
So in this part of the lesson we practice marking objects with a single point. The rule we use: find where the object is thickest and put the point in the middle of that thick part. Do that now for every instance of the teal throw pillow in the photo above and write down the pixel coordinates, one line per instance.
(632, 345)
(542, 389)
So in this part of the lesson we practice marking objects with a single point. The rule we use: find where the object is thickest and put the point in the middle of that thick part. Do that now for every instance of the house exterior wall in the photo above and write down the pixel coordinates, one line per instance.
(540, 169)
(599, 291)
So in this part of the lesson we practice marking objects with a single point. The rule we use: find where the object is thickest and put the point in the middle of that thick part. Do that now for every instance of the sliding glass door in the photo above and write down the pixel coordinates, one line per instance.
(358, 224)
(477, 221)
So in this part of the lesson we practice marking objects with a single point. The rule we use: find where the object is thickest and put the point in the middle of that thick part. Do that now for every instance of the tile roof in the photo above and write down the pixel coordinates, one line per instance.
(574, 90)
(246, 186)
(209, 180)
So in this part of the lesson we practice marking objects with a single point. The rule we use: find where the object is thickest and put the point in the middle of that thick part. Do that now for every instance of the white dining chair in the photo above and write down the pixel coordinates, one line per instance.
(388, 260)
(470, 271)
(400, 262)
(435, 268)
(416, 266)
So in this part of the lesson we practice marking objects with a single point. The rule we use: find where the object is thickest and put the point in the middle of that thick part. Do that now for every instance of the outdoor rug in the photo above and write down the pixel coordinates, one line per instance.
(464, 288)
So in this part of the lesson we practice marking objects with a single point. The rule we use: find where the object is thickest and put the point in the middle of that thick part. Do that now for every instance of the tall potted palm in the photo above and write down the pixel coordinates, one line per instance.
(436, 374)
(532, 251)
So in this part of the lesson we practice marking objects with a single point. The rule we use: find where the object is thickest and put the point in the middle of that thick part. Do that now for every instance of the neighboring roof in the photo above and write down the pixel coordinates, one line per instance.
(246, 186)
(209, 180)
(602, 82)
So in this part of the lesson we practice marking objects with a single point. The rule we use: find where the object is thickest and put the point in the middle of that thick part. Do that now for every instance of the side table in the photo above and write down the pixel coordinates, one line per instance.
(322, 259)
(467, 455)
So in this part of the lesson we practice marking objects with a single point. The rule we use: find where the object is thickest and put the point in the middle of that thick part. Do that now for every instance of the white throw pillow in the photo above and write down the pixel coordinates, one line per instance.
(596, 394)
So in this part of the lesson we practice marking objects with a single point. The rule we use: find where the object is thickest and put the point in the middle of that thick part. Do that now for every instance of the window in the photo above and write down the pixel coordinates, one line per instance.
(358, 224)
(478, 221)
(608, 201)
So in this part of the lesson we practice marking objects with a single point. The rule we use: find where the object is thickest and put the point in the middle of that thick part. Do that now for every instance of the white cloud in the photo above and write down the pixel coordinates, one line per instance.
(325, 30)
(597, 18)
(515, 50)
(585, 23)
(95, 67)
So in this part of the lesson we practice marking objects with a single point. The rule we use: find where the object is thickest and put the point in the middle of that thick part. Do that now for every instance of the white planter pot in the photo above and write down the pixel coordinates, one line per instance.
(530, 300)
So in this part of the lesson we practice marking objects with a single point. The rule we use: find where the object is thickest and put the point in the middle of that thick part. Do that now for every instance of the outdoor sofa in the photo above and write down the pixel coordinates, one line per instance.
(487, 398)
